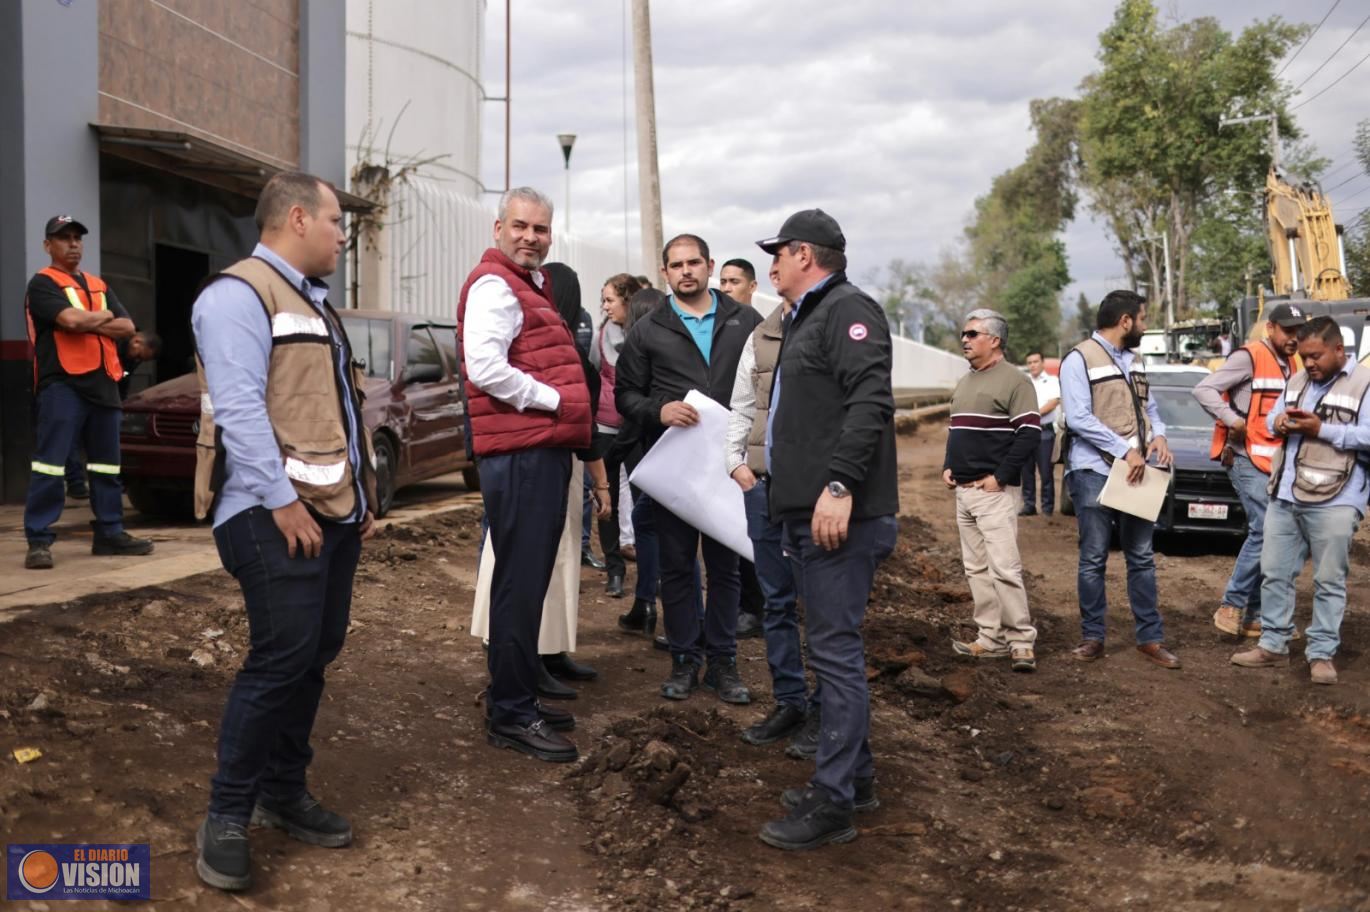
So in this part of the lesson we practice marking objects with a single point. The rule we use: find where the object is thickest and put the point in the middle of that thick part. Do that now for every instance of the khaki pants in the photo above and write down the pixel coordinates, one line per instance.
(988, 524)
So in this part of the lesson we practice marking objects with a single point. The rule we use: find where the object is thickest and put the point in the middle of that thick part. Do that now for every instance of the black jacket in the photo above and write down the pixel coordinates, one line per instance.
(660, 363)
(833, 419)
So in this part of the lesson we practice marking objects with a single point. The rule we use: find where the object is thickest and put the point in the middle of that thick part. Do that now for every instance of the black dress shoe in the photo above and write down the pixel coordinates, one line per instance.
(660, 642)
(614, 588)
(305, 819)
(865, 795)
(556, 719)
(748, 625)
(588, 559)
(815, 821)
(551, 688)
(224, 861)
(1028, 511)
(783, 720)
(122, 545)
(804, 746)
(640, 619)
(563, 666)
(683, 680)
(536, 739)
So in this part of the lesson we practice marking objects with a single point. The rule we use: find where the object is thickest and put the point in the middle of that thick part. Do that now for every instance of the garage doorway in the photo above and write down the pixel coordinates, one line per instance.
(177, 274)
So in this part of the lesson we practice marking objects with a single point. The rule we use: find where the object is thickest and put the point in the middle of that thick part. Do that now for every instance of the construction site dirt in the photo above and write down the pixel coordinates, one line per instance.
(1109, 785)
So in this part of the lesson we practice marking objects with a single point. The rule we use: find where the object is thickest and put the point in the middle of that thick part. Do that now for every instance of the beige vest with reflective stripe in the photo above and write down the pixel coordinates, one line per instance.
(1113, 400)
(766, 344)
(1320, 469)
(303, 404)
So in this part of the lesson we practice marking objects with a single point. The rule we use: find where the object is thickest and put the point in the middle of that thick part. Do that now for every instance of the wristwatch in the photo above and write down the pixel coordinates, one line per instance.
(838, 489)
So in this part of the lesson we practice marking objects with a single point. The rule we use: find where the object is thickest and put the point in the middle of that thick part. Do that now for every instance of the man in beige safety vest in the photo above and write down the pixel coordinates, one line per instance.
(1318, 488)
(284, 466)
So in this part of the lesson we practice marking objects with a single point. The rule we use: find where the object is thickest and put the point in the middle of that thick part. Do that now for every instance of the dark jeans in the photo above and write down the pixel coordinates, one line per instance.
(614, 564)
(1096, 530)
(836, 586)
(297, 613)
(679, 544)
(780, 616)
(648, 555)
(1042, 466)
(64, 420)
(525, 501)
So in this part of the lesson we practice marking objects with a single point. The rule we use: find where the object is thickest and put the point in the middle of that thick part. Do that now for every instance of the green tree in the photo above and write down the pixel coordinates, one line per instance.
(1358, 223)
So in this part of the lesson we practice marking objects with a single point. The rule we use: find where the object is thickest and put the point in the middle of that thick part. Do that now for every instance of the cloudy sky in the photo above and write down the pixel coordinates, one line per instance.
(891, 116)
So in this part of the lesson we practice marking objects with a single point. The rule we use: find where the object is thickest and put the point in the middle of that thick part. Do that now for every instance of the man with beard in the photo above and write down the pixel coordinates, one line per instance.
(1110, 415)
(1240, 395)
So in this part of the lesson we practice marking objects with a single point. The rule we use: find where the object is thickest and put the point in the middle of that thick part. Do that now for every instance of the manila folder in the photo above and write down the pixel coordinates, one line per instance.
(1143, 500)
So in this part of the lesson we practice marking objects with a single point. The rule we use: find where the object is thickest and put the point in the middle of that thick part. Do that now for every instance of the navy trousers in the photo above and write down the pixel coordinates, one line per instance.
(679, 543)
(525, 503)
(1041, 466)
(65, 419)
(836, 586)
(297, 615)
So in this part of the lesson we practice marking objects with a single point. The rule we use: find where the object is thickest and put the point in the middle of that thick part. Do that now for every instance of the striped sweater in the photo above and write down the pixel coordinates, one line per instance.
(995, 427)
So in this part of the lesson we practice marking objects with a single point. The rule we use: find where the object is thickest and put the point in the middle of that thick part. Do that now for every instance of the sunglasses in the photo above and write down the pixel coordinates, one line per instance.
(974, 334)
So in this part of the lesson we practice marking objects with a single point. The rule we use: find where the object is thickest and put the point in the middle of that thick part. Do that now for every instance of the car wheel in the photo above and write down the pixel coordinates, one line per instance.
(471, 476)
(160, 503)
(385, 473)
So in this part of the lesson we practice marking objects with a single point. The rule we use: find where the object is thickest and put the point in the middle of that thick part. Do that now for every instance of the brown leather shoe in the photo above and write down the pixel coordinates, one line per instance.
(1089, 650)
(1322, 671)
(1156, 653)
(1257, 657)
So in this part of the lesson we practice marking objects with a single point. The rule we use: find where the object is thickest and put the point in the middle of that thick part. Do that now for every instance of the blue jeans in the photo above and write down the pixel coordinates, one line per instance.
(1244, 586)
(836, 586)
(297, 614)
(1041, 464)
(64, 420)
(1096, 529)
(780, 614)
(1293, 533)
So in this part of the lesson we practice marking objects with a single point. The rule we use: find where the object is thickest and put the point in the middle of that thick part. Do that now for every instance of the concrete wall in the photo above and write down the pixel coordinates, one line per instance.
(323, 90)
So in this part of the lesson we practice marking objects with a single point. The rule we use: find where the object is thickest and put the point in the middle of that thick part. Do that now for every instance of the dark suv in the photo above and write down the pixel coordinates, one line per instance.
(412, 407)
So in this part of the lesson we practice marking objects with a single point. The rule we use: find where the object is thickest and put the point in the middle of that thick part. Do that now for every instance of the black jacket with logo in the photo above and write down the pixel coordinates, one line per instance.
(660, 362)
(833, 416)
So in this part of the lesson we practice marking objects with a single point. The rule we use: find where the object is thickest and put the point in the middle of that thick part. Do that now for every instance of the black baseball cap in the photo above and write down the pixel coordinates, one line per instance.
(60, 222)
(813, 226)
(1289, 316)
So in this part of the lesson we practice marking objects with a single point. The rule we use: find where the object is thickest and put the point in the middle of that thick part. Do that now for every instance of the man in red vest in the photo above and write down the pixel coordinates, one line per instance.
(529, 408)
(1239, 395)
(74, 322)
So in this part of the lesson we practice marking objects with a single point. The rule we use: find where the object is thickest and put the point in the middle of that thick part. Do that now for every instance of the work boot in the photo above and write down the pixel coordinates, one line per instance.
(683, 680)
(1228, 619)
(224, 860)
(1322, 671)
(782, 721)
(804, 746)
(723, 679)
(640, 619)
(39, 557)
(814, 821)
(866, 799)
(1260, 657)
(305, 819)
(121, 545)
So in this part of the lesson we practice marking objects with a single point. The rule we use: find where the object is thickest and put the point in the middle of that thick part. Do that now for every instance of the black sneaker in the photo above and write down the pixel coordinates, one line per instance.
(121, 545)
(866, 799)
(748, 625)
(683, 680)
(224, 861)
(783, 720)
(804, 746)
(536, 739)
(305, 819)
(815, 821)
(39, 557)
(722, 678)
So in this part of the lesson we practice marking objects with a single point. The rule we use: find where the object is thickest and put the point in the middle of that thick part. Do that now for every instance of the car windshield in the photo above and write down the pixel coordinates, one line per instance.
(1179, 409)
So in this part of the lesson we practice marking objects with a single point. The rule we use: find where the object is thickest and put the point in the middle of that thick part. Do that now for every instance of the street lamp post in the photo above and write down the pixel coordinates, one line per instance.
(567, 140)
(1165, 261)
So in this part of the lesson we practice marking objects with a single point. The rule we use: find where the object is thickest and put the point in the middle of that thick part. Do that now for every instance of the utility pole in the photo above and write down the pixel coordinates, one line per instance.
(1274, 132)
(648, 172)
(567, 140)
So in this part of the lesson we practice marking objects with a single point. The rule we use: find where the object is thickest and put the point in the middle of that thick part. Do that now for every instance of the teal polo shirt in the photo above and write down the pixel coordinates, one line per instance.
(701, 329)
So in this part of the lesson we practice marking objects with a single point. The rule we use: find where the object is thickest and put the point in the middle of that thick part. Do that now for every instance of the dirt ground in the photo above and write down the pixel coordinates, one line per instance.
(1108, 786)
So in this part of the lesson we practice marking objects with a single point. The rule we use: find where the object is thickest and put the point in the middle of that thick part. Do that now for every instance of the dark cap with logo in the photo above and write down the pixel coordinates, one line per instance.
(1290, 316)
(812, 226)
(61, 223)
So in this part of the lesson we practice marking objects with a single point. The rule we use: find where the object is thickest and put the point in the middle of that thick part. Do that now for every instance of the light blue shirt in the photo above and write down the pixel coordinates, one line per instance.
(701, 329)
(775, 378)
(233, 340)
(1342, 436)
(1093, 438)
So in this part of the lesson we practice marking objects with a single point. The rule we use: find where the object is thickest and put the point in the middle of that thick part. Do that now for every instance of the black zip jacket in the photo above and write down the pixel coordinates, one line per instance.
(660, 363)
(833, 417)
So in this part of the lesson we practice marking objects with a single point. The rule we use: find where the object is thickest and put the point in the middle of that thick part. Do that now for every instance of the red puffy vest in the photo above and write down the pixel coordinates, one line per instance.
(546, 351)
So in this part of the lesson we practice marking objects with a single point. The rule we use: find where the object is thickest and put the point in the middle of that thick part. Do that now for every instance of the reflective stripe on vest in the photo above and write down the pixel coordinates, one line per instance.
(284, 323)
(308, 473)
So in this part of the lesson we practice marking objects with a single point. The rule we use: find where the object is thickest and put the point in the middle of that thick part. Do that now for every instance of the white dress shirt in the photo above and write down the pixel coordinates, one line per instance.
(1048, 388)
(743, 407)
(494, 318)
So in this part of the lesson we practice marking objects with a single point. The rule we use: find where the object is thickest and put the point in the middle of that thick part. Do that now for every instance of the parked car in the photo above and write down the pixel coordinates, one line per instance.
(412, 408)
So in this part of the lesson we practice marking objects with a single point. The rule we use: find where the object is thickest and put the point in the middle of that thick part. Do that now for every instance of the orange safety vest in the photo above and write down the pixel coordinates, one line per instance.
(1268, 379)
(81, 353)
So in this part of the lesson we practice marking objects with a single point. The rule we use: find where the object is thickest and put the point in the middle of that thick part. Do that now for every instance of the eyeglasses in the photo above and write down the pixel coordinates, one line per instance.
(974, 333)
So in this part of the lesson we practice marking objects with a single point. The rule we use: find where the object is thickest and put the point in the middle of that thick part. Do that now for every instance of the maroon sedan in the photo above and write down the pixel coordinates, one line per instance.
(412, 408)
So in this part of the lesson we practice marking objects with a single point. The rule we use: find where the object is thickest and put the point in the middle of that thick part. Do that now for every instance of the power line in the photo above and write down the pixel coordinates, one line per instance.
(1354, 196)
(1341, 168)
(1335, 4)
(1333, 55)
(1334, 82)
(1345, 182)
